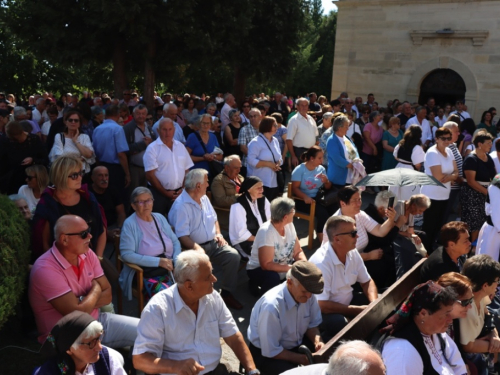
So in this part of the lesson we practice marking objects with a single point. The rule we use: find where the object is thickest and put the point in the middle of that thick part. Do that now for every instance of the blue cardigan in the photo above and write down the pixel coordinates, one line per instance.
(337, 163)
(130, 239)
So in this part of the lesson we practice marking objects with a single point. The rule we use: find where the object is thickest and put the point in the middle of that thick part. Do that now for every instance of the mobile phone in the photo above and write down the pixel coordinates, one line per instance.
(391, 202)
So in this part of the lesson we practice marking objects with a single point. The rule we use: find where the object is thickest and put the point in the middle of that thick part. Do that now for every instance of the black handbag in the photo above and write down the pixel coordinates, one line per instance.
(326, 197)
(280, 177)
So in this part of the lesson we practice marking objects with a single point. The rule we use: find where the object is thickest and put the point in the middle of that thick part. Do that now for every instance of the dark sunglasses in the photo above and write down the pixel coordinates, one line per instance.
(465, 302)
(83, 235)
(73, 120)
(29, 178)
(352, 233)
(75, 176)
(445, 138)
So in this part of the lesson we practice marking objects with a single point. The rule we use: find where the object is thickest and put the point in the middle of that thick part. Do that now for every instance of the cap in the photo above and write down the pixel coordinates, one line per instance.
(309, 276)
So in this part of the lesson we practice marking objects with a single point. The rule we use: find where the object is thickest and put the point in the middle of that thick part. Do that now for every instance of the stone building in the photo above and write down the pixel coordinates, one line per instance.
(414, 49)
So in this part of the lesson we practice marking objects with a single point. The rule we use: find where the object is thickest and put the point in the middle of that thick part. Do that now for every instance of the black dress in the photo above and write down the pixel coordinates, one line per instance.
(233, 150)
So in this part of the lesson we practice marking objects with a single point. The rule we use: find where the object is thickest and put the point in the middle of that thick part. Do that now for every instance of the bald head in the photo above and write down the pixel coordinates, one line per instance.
(98, 170)
(68, 224)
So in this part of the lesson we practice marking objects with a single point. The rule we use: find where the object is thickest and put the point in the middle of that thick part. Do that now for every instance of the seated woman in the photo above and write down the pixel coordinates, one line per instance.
(74, 347)
(247, 215)
(275, 248)
(307, 180)
(417, 342)
(37, 180)
(146, 240)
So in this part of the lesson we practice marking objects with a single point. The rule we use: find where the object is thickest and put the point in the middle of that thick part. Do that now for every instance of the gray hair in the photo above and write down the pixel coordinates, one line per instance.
(93, 329)
(193, 177)
(166, 106)
(17, 197)
(139, 191)
(163, 120)
(339, 122)
(96, 110)
(281, 207)
(382, 198)
(421, 200)
(230, 158)
(207, 115)
(334, 222)
(372, 115)
(210, 105)
(327, 115)
(19, 111)
(227, 95)
(40, 101)
(348, 359)
(299, 100)
(450, 125)
(232, 112)
(139, 107)
(256, 110)
(289, 276)
(187, 265)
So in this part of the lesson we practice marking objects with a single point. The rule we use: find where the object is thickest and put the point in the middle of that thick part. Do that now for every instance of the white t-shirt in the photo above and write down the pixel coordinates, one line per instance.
(46, 128)
(432, 158)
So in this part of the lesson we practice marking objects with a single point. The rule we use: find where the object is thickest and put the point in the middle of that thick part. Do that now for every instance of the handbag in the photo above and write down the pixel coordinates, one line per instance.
(280, 177)
(214, 166)
(326, 197)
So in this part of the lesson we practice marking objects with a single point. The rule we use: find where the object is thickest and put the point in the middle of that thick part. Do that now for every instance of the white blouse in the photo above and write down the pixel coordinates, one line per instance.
(238, 231)
(69, 148)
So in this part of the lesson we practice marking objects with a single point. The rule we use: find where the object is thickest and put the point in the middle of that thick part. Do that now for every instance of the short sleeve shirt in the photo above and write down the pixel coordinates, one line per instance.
(310, 182)
(197, 149)
(108, 140)
(433, 158)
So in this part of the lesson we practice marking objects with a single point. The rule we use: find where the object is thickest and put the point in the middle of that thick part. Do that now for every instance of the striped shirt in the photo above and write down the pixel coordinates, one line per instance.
(458, 159)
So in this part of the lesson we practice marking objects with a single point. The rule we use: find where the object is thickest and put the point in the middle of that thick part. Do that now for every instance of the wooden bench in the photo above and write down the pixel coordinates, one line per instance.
(365, 323)
(304, 215)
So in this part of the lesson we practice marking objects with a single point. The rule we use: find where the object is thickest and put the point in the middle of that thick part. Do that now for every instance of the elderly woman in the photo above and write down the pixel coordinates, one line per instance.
(372, 145)
(416, 341)
(231, 133)
(74, 347)
(341, 153)
(324, 134)
(67, 197)
(189, 112)
(275, 248)
(226, 186)
(17, 153)
(21, 203)
(479, 170)
(440, 163)
(391, 138)
(247, 215)
(146, 240)
(327, 123)
(37, 180)
(264, 157)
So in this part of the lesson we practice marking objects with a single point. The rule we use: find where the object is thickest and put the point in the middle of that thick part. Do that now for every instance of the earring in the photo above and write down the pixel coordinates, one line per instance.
(422, 322)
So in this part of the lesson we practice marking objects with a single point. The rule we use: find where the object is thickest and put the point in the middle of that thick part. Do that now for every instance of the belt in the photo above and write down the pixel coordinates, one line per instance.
(483, 184)
(205, 243)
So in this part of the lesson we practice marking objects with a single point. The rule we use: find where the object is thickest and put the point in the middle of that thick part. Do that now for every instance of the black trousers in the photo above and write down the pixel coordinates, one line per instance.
(433, 221)
(117, 179)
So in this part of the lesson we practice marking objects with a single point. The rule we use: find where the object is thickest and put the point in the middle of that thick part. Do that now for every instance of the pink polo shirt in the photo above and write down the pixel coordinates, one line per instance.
(51, 277)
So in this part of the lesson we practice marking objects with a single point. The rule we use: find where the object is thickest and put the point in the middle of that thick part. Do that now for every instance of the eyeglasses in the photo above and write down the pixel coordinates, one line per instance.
(352, 233)
(142, 203)
(29, 178)
(445, 138)
(465, 302)
(73, 120)
(75, 175)
(94, 342)
(83, 235)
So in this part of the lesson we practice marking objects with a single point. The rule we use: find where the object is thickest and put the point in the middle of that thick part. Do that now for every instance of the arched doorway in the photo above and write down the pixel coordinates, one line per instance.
(444, 85)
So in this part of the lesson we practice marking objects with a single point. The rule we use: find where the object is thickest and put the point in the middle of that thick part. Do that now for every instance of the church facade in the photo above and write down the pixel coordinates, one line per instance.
(415, 49)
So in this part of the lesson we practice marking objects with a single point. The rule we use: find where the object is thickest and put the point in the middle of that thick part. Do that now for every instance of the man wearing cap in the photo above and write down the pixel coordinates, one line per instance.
(286, 317)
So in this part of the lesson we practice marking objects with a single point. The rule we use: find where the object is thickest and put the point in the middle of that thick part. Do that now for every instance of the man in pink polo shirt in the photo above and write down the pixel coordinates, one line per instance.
(69, 277)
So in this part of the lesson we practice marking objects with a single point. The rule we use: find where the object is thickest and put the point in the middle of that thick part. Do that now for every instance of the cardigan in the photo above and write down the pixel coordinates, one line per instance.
(337, 162)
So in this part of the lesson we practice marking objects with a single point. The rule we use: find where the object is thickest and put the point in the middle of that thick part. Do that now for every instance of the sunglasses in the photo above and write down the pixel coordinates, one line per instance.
(83, 235)
(29, 178)
(75, 175)
(465, 302)
(73, 120)
(93, 343)
(445, 138)
(352, 233)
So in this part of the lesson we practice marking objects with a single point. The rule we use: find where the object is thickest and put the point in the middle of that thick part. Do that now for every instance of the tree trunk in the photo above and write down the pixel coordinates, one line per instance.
(149, 75)
(120, 82)
(239, 85)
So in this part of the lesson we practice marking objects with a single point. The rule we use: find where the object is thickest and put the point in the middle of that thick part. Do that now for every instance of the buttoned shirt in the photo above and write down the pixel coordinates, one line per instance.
(189, 218)
(339, 277)
(426, 128)
(169, 329)
(224, 115)
(109, 139)
(170, 164)
(279, 322)
(178, 135)
(260, 149)
(302, 131)
(247, 133)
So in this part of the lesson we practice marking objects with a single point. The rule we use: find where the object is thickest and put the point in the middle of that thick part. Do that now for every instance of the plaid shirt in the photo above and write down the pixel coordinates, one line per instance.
(247, 133)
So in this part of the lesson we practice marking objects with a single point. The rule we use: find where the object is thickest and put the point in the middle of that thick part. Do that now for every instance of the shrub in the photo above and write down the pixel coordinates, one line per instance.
(14, 256)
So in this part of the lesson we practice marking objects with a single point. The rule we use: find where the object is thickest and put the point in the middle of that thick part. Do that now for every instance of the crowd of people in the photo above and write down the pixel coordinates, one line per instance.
(85, 171)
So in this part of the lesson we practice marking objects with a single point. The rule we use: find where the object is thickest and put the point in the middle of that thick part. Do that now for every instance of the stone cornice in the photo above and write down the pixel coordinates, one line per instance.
(478, 36)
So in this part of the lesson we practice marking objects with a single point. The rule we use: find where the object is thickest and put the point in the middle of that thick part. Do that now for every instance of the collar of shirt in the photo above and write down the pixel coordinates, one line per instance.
(179, 303)
(63, 262)
(290, 303)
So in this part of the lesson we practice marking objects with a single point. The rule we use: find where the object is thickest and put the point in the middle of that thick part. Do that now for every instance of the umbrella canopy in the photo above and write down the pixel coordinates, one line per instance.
(398, 177)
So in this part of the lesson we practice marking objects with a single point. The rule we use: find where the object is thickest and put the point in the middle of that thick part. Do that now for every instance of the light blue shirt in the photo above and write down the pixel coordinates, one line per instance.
(310, 182)
(279, 322)
(108, 140)
(259, 149)
(189, 219)
(178, 135)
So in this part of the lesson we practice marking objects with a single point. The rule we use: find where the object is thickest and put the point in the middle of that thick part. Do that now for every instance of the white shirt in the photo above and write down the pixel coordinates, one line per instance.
(463, 115)
(37, 116)
(339, 277)
(169, 328)
(433, 158)
(259, 149)
(170, 164)
(302, 131)
(30, 197)
(494, 156)
(238, 231)
(115, 364)
(224, 116)
(70, 148)
(440, 121)
(46, 128)
(426, 128)
(401, 357)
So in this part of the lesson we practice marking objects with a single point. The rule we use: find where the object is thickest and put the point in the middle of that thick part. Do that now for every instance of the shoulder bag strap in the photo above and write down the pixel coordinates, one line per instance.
(159, 234)
(272, 153)
(198, 136)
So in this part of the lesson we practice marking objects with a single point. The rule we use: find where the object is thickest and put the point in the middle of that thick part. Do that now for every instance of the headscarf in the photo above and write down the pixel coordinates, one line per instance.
(249, 182)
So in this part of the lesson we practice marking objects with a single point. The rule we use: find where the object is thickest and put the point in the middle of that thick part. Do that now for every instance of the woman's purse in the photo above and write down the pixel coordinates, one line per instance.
(326, 197)
(280, 177)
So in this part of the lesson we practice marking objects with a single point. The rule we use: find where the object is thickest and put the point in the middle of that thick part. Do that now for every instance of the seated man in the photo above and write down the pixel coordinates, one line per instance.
(286, 317)
(226, 185)
(180, 328)
(69, 277)
(451, 256)
(342, 267)
(110, 200)
(195, 224)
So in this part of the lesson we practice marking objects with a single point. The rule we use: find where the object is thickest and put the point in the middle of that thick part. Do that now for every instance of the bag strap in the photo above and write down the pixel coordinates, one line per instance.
(198, 136)
(63, 139)
(159, 234)
(272, 153)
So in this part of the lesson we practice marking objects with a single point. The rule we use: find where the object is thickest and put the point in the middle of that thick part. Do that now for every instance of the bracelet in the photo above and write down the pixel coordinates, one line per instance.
(253, 372)
(100, 258)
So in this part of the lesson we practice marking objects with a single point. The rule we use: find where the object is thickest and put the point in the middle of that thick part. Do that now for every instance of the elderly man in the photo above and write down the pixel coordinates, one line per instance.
(405, 115)
(226, 185)
(139, 137)
(180, 327)
(421, 120)
(247, 133)
(69, 277)
(342, 266)
(195, 223)
(229, 104)
(20, 114)
(166, 162)
(301, 132)
(286, 317)
(39, 114)
(170, 111)
(278, 105)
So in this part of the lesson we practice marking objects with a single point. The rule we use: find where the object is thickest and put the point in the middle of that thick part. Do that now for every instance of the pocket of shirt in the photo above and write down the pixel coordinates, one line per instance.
(211, 333)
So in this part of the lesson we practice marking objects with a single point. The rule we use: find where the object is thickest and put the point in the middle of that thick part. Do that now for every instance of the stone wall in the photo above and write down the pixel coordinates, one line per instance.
(388, 47)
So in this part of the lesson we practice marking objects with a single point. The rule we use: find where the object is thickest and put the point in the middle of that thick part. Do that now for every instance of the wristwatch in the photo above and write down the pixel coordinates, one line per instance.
(80, 299)
(254, 372)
